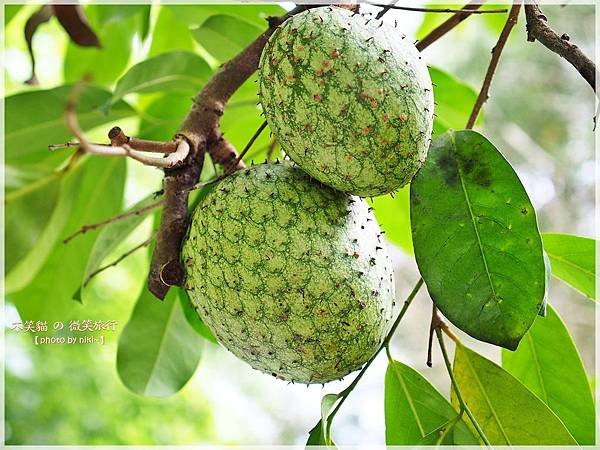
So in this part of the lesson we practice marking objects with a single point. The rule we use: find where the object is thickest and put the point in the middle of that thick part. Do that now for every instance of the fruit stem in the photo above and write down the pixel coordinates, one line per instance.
(459, 397)
(385, 344)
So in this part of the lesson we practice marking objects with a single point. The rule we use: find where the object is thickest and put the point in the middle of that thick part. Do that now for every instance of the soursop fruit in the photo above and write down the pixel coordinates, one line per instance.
(291, 276)
(348, 98)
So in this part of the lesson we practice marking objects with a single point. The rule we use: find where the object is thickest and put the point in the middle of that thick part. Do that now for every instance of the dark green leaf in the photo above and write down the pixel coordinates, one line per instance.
(163, 38)
(315, 436)
(98, 191)
(547, 362)
(112, 235)
(508, 412)
(454, 101)
(194, 319)
(476, 239)
(38, 204)
(104, 64)
(158, 350)
(224, 36)
(175, 72)
(393, 215)
(36, 119)
(573, 260)
(195, 15)
(415, 412)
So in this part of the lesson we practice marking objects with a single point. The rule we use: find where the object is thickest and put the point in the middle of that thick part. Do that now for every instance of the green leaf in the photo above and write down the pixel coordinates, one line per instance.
(547, 362)
(393, 215)
(224, 36)
(319, 435)
(108, 14)
(104, 64)
(98, 190)
(179, 72)
(476, 239)
(454, 101)
(38, 205)
(158, 350)
(163, 38)
(163, 116)
(573, 260)
(195, 15)
(36, 119)
(508, 412)
(194, 319)
(415, 411)
(113, 234)
(10, 11)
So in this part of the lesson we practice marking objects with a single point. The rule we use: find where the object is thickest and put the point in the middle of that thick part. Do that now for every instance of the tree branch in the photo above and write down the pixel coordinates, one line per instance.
(513, 16)
(465, 12)
(439, 10)
(538, 28)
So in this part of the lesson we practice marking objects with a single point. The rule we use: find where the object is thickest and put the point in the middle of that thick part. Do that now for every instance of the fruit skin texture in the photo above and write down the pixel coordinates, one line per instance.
(283, 273)
(349, 100)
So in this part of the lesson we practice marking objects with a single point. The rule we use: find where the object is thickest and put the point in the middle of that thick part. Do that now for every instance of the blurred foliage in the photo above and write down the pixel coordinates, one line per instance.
(539, 114)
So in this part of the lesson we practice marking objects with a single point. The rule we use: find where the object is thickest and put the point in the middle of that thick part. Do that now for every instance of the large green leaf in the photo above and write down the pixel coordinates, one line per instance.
(415, 412)
(163, 37)
(195, 15)
(454, 100)
(393, 215)
(36, 119)
(99, 194)
(108, 14)
(573, 260)
(103, 64)
(508, 412)
(158, 350)
(174, 72)
(193, 318)
(547, 362)
(476, 239)
(163, 116)
(223, 36)
(38, 205)
(112, 235)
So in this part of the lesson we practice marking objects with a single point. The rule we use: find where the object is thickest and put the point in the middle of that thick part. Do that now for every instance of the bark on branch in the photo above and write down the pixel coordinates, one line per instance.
(538, 28)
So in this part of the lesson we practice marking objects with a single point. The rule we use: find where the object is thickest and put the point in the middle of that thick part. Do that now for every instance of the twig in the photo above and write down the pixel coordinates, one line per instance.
(538, 28)
(439, 10)
(84, 229)
(452, 22)
(250, 142)
(118, 260)
(118, 137)
(463, 405)
(385, 344)
(513, 16)
(385, 9)
(224, 153)
(167, 162)
(271, 149)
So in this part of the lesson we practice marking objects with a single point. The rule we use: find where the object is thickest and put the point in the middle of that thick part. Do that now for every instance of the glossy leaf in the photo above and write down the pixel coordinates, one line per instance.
(175, 72)
(36, 119)
(103, 64)
(476, 239)
(98, 195)
(548, 363)
(454, 101)
(158, 350)
(196, 15)
(393, 215)
(38, 205)
(507, 412)
(224, 36)
(194, 319)
(573, 260)
(415, 412)
(113, 234)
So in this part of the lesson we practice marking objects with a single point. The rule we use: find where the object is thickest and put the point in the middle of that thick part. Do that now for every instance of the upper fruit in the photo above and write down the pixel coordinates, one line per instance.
(291, 277)
(348, 98)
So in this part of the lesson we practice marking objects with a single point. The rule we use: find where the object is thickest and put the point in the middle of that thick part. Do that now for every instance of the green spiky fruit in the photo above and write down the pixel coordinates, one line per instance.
(349, 100)
(291, 276)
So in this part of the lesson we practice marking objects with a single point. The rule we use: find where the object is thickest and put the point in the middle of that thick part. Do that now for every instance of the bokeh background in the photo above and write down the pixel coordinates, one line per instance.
(539, 115)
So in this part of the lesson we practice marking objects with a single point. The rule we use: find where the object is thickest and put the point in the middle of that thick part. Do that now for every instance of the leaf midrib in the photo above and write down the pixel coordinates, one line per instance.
(409, 399)
(572, 264)
(468, 201)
